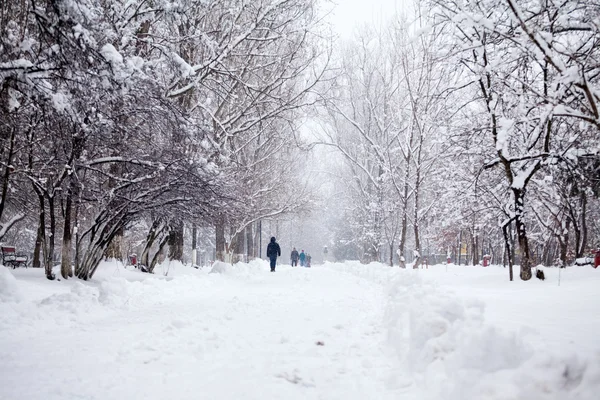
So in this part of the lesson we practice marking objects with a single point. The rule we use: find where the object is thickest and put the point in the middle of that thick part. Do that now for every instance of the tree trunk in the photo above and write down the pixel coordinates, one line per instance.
(511, 235)
(115, 249)
(404, 222)
(402, 243)
(459, 246)
(66, 269)
(522, 234)
(416, 224)
(507, 246)
(250, 254)
(563, 240)
(42, 239)
(546, 252)
(40, 232)
(237, 246)
(194, 250)
(77, 239)
(176, 241)
(220, 239)
(259, 240)
(582, 243)
(154, 261)
(7, 171)
(155, 230)
(473, 247)
(51, 239)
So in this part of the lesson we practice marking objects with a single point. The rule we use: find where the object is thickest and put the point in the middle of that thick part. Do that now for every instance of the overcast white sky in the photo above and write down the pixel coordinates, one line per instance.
(347, 14)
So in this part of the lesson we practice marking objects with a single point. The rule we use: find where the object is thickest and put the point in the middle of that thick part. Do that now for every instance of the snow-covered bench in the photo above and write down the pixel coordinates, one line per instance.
(12, 259)
(584, 261)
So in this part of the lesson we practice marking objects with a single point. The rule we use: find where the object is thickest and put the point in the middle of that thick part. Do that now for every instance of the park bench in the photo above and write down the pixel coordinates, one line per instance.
(12, 259)
(133, 260)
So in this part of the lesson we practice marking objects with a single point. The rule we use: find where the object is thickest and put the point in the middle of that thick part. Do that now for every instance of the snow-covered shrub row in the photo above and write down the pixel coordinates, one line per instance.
(451, 353)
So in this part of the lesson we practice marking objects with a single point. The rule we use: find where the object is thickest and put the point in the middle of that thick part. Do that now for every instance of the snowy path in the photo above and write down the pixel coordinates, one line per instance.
(245, 333)
(230, 338)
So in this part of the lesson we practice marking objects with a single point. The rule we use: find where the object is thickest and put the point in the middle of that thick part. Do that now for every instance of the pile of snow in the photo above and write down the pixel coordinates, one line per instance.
(375, 272)
(9, 289)
(31, 298)
(240, 269)
(220, 267)
(451, 353)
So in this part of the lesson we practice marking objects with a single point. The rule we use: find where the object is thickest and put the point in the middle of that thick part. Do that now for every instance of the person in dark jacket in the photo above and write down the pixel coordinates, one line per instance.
(294, 257)
(273, 251)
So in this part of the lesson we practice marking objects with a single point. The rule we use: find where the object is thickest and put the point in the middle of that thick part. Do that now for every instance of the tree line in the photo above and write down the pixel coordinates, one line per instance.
(474, 124)
(469, 125)
(144, 113)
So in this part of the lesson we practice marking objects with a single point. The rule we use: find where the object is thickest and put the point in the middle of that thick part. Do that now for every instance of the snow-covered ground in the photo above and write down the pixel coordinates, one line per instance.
(335, 331)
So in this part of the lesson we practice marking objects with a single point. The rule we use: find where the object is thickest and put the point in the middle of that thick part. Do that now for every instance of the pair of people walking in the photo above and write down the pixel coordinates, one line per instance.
(302, 257)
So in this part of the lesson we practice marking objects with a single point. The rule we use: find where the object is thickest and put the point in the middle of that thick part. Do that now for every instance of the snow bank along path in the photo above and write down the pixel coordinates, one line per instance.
(244, 333)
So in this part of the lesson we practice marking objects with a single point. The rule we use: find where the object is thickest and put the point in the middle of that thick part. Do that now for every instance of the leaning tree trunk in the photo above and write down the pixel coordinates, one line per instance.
(102, 233)
(156, 230)
(154, 261)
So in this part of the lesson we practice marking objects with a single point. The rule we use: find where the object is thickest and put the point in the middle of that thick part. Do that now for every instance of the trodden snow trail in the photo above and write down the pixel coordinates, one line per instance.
(294, 334)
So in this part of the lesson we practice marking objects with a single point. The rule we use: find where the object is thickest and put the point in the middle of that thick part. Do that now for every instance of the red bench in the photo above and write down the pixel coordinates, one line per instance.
(12, 259)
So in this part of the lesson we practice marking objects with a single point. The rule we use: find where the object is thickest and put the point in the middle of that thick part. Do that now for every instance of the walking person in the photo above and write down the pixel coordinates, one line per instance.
(302, 258)
(308, 258)
(294, 256)
(273, 251)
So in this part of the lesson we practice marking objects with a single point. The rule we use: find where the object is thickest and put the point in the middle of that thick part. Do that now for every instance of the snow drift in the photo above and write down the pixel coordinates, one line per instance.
(452, 353)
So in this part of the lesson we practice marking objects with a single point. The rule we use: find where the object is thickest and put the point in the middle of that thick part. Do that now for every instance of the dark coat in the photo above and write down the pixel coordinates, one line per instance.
(273, 249)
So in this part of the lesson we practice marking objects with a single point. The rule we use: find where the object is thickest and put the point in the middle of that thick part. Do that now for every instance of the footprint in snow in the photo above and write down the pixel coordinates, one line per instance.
(295, 378)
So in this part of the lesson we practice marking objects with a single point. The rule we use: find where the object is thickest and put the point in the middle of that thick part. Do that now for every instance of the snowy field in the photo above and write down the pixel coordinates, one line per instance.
(335, 331)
